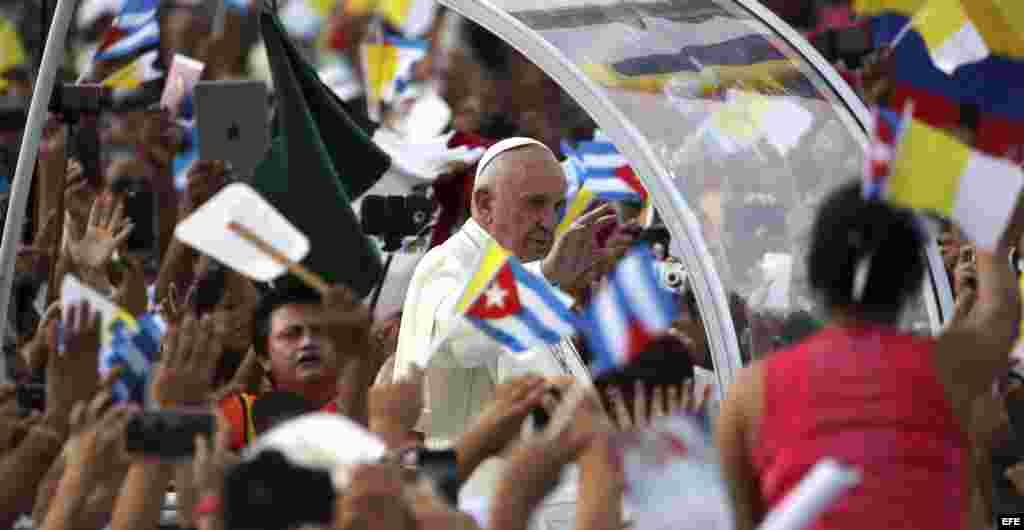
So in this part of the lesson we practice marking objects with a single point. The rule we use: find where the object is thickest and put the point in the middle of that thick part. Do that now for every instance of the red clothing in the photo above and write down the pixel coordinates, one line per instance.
(237, 410)
(870, 398)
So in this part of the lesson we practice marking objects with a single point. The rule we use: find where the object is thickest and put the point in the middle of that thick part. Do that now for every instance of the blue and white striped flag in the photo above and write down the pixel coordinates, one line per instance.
(608, 173)
(135, 30)
(513, 306)
(133, 345)
(631, 311)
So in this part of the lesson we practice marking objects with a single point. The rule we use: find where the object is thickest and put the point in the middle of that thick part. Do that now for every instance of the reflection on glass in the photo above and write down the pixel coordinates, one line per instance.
(752, 136)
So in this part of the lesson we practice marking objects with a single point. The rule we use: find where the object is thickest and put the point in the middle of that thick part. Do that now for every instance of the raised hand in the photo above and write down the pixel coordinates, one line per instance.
(72, 375)
(574, 253)
(205, 179)
(159, 136)
(213, 460)
(394, 408)
(36, 351)
(12, 427)
(79, 193)
(190, 353)
(36, 257)
(577, 419)
(348, 324)
(172, 311)
(98, 438)
(106, 230)
(499, 424)
(131, 293)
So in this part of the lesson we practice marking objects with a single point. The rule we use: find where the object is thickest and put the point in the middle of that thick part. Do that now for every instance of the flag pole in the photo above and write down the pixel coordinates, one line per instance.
(53, 55)
(308, 277)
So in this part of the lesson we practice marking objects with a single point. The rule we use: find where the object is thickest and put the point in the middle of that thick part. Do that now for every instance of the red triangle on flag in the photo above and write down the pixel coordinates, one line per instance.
(628, 176)
(637, 338)
(112, 35)
(500, 299)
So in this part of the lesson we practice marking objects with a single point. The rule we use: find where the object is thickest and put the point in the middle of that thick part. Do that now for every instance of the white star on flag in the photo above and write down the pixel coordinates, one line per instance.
(495, 296)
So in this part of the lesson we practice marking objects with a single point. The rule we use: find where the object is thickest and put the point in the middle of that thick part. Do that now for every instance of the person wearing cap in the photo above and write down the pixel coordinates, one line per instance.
(518, 192)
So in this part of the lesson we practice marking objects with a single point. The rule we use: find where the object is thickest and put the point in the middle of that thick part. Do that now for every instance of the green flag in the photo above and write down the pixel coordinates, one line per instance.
(343, 129)
(299, 176)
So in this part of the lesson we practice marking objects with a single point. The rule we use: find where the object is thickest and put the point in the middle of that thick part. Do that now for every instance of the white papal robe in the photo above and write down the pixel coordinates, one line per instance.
(462, 374)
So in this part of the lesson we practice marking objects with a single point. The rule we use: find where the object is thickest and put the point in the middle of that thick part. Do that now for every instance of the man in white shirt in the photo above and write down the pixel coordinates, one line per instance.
(518, 194)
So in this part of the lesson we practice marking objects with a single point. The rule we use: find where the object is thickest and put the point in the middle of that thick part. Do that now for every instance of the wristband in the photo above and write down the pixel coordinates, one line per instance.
(209, 505)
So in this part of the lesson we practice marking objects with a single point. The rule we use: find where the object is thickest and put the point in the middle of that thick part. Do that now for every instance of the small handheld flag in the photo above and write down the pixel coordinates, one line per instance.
(608, 173)
(135, 30)
(877, 165)
(513, 306)
(134, 345)
(125, 341)
(135, 73)
(629, 312)
(977, 191)
(387, 66)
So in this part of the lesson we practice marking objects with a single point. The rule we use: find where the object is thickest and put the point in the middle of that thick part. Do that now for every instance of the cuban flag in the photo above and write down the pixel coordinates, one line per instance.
(628, 313)
(513, 306)
(132, 344)
(878, 163)
(135, 30)
(608, 174)
(885, 134)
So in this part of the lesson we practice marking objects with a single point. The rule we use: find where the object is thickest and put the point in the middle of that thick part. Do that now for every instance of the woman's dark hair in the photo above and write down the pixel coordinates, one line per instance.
(290, 292)
(850, 230)
(270, 493)
(665, 362)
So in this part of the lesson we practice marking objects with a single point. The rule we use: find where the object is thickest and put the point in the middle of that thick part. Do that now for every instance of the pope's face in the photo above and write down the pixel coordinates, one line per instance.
(522, 212)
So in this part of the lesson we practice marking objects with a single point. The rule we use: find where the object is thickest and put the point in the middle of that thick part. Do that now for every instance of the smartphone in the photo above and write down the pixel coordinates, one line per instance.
(31, 396)
(140, 207)
(167, 434)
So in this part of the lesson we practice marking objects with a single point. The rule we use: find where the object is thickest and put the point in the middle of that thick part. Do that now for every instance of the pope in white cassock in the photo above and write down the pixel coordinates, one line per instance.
(518, 193)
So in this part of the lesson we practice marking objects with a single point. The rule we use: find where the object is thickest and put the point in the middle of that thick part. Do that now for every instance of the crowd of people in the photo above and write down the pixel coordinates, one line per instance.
(478, 437)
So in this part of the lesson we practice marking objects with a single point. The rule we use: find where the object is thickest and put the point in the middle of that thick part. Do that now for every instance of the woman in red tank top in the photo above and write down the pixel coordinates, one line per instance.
(892, 405)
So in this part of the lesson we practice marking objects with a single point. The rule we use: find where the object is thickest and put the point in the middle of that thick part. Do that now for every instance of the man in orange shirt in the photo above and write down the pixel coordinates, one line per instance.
(315, 348)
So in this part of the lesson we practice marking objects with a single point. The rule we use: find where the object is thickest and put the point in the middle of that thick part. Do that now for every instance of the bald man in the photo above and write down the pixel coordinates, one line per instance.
(517, 196)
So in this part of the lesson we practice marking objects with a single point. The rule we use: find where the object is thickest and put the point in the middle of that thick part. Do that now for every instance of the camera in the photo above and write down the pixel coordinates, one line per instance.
(167, 434)
(13, 113)
(673, 276)
(30, 397)
(140, 208)
(394, 217)
(79, 99)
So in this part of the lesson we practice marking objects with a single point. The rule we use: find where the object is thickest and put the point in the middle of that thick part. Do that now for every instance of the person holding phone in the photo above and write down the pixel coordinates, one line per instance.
(891, 404)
